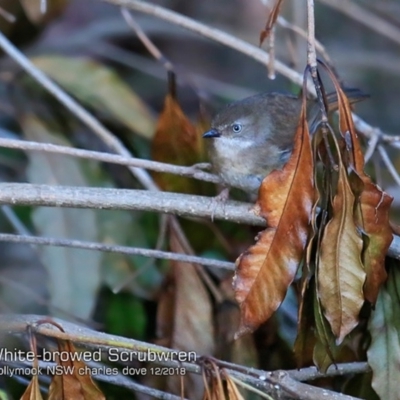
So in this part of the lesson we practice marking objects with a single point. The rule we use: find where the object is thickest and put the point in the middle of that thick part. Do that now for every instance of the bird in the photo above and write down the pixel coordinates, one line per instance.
(252, 137)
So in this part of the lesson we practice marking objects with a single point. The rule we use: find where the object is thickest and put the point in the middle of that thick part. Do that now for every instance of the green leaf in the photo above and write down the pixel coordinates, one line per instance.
(100, 88)
(74, 274)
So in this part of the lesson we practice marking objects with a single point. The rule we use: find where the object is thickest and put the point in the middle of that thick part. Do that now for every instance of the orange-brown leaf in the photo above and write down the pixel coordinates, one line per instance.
(373, 213)
(273, 16)
(341, 275)
(32, 392)
(233, 391)
(185, 318)
(176, 141)
(75, 383)
(266, 270)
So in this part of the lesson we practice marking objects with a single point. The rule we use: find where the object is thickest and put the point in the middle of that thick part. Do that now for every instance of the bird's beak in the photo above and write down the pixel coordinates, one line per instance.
(212, 133)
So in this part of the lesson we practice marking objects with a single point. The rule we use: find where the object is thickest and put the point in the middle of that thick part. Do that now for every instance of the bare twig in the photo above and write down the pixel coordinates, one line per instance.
(5, 237)
(206, 31)
(389, 165)
(365, 17)
(7, 16)
(241, 46)
(123, 199)
(271, 52)
(372, 144)
(153, 50)
(191, 172)
(43, 6)
(311, 51)
(301, 32)
(80, 112)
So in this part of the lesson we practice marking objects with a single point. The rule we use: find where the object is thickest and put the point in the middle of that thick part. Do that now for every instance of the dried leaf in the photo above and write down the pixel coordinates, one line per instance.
(273, 16)
(341, 275)
(325, 351)
(241, 351)
(75, 382)
(176, 141)
(266, 270)
(306, 331)
(33, 10)
(185, 319)
(372, 215)
(32, 392)
(384, 327)
(233, 391)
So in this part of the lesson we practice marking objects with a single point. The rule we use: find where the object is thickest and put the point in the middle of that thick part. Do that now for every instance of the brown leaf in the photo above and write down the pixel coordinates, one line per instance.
(373, 211)
(33, 11)
(75, 382)
(273, 16)
(341, 275)
(176, 141)
(32, 392)
(185, 318)
(267, 269)
(243, 350)
(233, 391)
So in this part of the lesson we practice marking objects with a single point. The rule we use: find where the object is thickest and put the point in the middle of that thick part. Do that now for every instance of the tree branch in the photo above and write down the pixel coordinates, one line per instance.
(191, 171)
(276, 383)
(245, 48)
(165, 255)
(123, 199)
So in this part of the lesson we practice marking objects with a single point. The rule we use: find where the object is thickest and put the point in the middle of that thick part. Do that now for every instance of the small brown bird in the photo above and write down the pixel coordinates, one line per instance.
(253, 136)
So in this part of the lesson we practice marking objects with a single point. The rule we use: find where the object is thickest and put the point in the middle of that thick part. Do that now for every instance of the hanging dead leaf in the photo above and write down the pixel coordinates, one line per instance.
(266, 270)
(273, 16)
(227, 318)
(75, 381)
(32, 392)
(233, 391)
(176, 141)
(214, 390)
(341, 275)
(372, 215)
(185, 319)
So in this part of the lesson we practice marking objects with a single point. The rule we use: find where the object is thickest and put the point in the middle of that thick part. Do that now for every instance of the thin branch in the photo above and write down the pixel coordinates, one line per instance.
(208, 32)
(372, 144)
(281, 21)
(165, 255)
(241, 46)
(43, 6)
(7, 16)
(311, 51)
(273, 383)
(365, 17)
(80, 112)
(152, 49)
(191, 172)
(124, 199)
(389, 165)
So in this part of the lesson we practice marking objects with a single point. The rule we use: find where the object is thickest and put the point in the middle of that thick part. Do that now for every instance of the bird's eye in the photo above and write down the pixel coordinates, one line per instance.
(236, 128)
